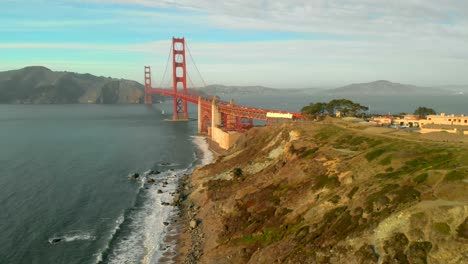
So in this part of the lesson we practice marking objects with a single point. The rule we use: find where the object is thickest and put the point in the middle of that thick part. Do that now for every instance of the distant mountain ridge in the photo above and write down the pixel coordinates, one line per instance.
(215, 89)
(40, 85)
(383, 87)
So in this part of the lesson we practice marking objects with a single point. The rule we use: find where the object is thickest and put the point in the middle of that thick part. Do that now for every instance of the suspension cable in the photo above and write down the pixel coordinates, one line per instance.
(193, 85)
(167, 64)
(190, 54)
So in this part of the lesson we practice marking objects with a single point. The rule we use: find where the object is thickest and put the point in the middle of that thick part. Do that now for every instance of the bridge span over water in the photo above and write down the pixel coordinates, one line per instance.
(213, 113)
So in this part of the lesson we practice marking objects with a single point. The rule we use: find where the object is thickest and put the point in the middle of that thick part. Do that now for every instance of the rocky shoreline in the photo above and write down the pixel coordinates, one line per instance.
(191, 238)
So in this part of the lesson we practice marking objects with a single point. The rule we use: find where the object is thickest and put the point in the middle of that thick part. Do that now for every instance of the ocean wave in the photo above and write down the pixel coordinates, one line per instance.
(70, 237)
(144, 234)
(118, 223)
(207, 155)
(168, 164)
(143, 230)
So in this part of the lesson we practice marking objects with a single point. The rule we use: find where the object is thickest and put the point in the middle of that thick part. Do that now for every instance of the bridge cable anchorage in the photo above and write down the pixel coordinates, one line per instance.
(195, 64)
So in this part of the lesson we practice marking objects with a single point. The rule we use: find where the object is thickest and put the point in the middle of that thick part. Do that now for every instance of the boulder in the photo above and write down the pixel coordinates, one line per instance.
(193, 223)
(151, 180)
(134, 176)
(159, 191)
(55, 240)
(176, 198)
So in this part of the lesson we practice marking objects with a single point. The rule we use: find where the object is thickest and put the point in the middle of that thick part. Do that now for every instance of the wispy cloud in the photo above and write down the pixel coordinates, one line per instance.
(308, 41)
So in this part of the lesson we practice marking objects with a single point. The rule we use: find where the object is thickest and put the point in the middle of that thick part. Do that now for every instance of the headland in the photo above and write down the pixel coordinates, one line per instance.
(329, 192)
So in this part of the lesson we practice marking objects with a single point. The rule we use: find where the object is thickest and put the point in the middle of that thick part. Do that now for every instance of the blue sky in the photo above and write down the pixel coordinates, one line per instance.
(290, 43)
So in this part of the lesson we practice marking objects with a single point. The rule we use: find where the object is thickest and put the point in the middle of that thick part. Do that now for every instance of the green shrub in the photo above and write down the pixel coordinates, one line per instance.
(420, 178)
(375, 154)
(455, 175)
(386, 161)
(442, 228)
(237, 172)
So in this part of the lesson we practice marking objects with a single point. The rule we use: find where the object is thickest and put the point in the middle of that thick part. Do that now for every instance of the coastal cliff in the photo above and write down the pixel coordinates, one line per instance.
(331, 192)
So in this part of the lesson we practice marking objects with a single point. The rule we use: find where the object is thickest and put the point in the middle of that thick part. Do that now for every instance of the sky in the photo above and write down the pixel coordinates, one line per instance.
(275, 43)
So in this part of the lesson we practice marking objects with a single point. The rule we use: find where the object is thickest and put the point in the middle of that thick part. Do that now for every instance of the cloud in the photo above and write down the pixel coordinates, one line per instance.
(288, 63)
(334, 42)
(335, 16)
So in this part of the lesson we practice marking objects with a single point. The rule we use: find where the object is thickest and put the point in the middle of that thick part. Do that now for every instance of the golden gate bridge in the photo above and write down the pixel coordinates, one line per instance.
(212, 112)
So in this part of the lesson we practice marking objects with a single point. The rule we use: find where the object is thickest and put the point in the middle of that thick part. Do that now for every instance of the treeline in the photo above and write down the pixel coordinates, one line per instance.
(345, 107)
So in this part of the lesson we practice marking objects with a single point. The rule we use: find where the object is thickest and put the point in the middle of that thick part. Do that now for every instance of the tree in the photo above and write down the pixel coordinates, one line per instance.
(314, 109)
(345, 106)
(423, 111)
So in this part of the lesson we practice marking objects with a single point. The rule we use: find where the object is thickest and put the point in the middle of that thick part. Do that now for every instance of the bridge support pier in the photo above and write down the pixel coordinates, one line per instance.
(200, 115)
(215, 115)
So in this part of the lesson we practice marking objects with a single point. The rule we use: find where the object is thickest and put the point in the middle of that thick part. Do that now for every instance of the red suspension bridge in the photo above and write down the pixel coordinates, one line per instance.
(211, 110)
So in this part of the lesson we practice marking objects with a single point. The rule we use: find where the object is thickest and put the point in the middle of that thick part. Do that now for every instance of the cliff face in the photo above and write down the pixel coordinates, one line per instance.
(39, 85)
(327, 193)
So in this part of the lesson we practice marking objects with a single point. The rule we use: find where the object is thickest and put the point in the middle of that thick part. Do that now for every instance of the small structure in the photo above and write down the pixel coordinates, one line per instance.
(408, 120)
(443, 119)
(384, 120)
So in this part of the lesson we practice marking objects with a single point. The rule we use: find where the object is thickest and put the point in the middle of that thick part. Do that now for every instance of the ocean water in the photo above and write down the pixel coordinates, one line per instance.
(65, 195)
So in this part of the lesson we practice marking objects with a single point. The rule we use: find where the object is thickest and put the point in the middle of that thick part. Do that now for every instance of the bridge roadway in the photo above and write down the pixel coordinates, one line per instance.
(224, 106)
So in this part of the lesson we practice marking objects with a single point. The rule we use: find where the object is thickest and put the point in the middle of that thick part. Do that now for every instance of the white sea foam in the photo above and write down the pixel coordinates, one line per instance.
(155, 230)
(207, 155)
(145, 243)
(71, 236)
(146, 223)
(78, 236)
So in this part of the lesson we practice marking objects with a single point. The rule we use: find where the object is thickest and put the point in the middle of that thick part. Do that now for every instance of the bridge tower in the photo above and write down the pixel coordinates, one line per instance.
(179, 78)
(148, 96)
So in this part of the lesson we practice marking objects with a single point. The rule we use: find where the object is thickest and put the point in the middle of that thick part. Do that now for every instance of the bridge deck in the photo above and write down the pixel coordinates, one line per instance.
(226, 107)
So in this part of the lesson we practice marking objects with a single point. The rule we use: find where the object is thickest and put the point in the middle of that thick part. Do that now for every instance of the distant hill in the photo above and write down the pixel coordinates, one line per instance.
(383, 87)
(217, 89)
(40, 85)
(456, 89)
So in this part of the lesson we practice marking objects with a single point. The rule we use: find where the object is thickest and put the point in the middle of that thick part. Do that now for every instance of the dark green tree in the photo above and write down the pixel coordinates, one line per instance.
(423, 111)
(314, 109)
(345, 106)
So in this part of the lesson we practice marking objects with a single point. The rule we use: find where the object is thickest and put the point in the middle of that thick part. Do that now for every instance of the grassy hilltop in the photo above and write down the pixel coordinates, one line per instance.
(334, 192)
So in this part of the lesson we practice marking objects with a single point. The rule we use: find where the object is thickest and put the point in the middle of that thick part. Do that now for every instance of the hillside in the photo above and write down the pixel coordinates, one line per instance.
(385, 88)
(40, 85)
(326, 192)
